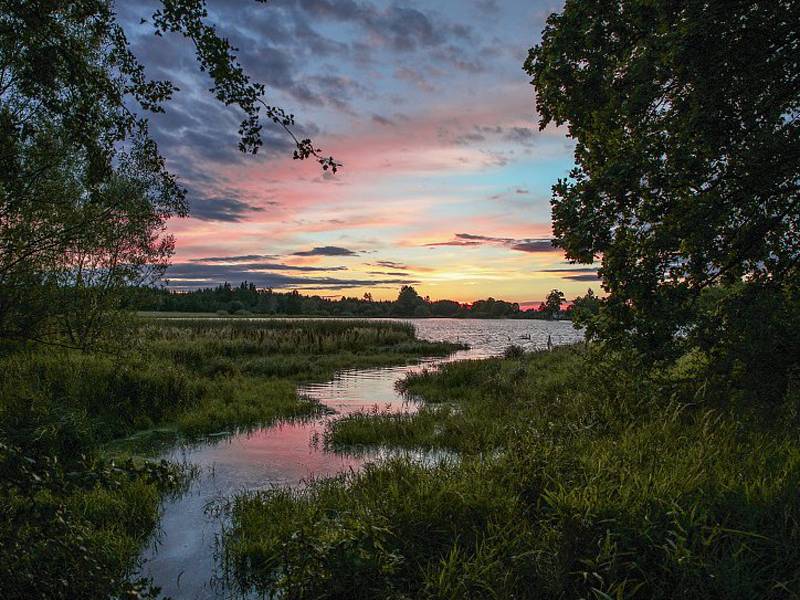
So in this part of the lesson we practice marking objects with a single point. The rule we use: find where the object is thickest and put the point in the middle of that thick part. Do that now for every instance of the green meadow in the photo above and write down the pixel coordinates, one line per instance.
(579, 475)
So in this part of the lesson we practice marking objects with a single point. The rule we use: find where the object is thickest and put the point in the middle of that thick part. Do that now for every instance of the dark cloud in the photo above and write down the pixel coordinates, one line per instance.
(483, 238)
(454, 243)
(240, 270)
(575, 273)
(390, 273)
(522, 245)
(534, 246)
(331, 90)
(521, 135)
(381, 120)
(198, 275)
(229, 259)
(390, 264)
(400, 27)
(478, 133)
(284, 267)
(469, 138)
(270, 64)
(571, 270)
(327, 251)
(338, 10)
(521, 191)
(456, 57)
(488, 6)
(220, 208)
(583, 277)
(210, 146)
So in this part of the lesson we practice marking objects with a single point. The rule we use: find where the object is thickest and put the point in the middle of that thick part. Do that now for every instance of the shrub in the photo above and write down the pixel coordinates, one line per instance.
(513, 351)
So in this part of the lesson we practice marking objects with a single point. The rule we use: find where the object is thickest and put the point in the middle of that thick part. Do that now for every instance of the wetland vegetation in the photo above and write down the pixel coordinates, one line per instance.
(658, 459)
(578, 476)
(79, 498)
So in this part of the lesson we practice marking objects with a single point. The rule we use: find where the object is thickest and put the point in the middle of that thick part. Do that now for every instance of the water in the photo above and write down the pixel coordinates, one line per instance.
(182, 557)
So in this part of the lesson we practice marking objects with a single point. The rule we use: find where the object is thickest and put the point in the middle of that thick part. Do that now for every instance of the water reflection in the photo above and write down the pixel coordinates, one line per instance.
(182, 558)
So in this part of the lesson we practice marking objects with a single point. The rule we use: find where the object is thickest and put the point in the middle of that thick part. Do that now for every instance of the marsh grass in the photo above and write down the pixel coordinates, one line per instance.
(74, 521)
(428, 428)
(193, 377)
(604, 481)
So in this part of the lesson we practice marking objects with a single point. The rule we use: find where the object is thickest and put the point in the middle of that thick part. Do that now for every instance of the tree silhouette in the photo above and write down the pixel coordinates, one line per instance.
(552, 304)
(84, 192)
(685, 118)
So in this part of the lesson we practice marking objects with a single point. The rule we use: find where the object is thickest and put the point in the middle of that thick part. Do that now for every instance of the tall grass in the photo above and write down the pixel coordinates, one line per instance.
(592, 479)
(73, 520)
(301, 350)
(194, 376)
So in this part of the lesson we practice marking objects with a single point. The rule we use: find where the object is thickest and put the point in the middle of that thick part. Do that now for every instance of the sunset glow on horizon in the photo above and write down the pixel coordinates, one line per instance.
(446, 180)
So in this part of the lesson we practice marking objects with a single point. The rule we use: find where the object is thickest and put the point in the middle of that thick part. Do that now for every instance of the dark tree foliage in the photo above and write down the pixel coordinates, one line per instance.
(551, 307)
(84, 192)
(247, 298)
(685, 119)
(585, 308)
(409, 302)
(494, 308)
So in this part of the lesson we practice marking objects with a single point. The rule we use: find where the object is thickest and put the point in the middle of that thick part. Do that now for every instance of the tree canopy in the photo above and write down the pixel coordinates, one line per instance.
(552, 304)
(84, 191)
(246, 298)
(687, 152)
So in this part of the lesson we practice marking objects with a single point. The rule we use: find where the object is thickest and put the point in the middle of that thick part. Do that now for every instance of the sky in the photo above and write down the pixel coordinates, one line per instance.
(446, 179)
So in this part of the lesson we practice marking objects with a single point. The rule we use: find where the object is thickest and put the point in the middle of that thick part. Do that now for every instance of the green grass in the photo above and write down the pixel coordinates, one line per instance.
(425, 429)
(73, 526)
(192, 377)
(579, 477)
(469, 407)
(74, 520)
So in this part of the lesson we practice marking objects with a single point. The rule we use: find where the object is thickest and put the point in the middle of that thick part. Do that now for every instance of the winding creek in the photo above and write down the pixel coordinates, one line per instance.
(182, 557)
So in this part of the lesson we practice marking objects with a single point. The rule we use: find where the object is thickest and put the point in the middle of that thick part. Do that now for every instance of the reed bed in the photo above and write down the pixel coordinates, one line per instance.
(76, 507)
(592, 479)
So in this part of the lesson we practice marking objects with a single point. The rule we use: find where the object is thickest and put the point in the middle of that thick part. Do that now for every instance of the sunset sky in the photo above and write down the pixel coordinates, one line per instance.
(446, 178)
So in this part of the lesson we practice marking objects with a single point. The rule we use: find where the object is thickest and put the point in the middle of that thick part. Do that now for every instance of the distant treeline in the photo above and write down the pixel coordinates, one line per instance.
(247, 299)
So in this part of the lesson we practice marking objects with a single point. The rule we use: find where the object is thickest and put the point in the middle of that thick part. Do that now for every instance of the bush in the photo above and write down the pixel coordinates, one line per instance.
(513, 351)
(77, 533)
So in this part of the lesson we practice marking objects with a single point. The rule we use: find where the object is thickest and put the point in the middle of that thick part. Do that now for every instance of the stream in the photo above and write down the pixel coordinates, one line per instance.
(182, 557)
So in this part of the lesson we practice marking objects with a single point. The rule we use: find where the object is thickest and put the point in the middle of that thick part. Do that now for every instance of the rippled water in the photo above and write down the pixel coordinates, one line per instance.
(181, 560)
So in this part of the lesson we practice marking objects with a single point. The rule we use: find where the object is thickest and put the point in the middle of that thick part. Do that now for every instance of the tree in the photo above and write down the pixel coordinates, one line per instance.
(687, 150)
(552, 304)
(445, 308)
(408, 301)
(585, 308)
(82, 185)
(294, 303)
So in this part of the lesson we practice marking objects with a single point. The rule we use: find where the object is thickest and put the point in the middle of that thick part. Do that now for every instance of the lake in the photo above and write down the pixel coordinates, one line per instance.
(182, 559)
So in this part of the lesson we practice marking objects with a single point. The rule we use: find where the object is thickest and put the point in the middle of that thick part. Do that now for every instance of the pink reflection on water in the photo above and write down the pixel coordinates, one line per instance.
(182, 560)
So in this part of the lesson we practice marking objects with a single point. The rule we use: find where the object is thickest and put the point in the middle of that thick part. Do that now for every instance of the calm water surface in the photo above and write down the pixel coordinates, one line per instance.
(182, 557)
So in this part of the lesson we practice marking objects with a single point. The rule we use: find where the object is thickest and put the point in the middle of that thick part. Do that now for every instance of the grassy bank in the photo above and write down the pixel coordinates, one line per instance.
(580, 476)
(74, 519)
(192, 377)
